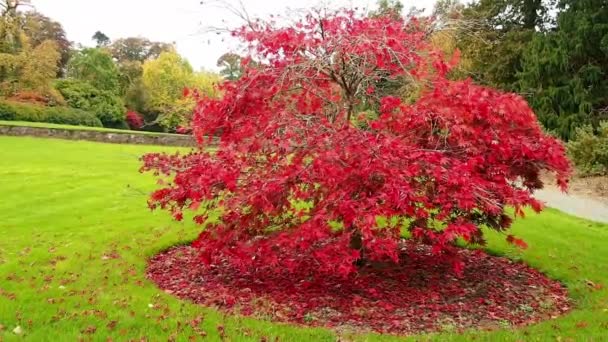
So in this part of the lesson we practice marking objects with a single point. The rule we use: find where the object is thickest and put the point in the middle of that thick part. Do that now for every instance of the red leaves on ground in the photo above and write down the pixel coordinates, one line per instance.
(417, 295)
(299, 183)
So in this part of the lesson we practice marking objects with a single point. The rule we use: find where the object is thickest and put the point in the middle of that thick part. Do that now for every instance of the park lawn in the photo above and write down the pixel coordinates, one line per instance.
(75, 234)
(79, 128)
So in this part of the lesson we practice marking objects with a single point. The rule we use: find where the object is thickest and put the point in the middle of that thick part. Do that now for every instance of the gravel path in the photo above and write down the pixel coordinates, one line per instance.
(576, 205)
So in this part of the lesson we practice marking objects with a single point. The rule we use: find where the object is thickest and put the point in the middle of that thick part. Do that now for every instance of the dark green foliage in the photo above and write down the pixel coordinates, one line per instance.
(565, 71)
(108, 107)
(101, 39)
(137, 49)
(15, 111)
(589, 151)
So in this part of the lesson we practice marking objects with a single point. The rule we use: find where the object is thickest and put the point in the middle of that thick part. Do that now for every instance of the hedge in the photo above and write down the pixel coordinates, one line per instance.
(15, 111)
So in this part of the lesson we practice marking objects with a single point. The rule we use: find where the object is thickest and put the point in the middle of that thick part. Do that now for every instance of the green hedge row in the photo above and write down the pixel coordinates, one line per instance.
(16, 111)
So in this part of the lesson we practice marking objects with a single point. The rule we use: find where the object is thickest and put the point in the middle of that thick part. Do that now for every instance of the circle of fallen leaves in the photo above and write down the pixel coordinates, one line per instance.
(415, 296)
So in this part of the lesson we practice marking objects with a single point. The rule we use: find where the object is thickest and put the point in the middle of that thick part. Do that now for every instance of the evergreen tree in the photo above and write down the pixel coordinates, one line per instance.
(565, 71)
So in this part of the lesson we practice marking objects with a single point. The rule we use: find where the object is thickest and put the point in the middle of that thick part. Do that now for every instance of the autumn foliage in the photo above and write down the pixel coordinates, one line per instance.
(295, 182)
(134, 120)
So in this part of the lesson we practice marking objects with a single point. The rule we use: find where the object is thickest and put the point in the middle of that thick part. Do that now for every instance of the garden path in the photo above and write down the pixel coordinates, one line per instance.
(574, 204)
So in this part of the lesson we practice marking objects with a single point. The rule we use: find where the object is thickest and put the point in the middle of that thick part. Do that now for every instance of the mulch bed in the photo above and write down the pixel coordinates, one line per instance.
(416, 296)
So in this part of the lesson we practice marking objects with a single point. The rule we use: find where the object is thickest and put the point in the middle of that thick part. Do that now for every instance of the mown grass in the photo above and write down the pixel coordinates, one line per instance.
(78, 128)
(75, 234)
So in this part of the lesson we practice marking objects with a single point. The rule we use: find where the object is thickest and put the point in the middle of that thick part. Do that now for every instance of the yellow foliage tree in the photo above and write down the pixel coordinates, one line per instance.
(31, 69)
(164, 80)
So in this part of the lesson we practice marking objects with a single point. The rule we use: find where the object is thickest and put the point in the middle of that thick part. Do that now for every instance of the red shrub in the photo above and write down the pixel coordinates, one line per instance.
(183, 130)
(296, 182)
(30, 97)
(135, 120)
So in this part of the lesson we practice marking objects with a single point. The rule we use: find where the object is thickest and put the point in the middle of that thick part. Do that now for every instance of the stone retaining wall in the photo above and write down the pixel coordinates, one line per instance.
(100, 136)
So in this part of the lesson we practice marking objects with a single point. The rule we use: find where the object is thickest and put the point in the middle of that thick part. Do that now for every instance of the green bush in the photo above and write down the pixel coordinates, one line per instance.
(15, 111)
(108, 107)
(589, 149)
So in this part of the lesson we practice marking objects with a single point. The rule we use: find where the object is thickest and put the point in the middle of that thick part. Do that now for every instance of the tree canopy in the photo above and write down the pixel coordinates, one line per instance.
(164, 81)
(40, 28)
(294, 183)
(97, 67)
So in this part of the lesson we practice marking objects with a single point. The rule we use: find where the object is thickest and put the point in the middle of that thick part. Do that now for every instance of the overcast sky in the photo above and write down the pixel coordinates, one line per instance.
(178, 21)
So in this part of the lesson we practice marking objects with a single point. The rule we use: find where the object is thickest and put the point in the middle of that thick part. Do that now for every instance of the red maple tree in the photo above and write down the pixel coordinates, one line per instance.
(301, 177)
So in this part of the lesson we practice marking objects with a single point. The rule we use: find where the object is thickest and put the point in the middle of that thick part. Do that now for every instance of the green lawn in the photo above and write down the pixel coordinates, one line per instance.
(77, 128)
(75, 233)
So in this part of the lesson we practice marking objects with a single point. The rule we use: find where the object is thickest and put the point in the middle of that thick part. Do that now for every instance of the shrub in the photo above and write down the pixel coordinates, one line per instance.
(108, 107)
(589, 149)
(135, 120)
(294, 183)
(14, 111)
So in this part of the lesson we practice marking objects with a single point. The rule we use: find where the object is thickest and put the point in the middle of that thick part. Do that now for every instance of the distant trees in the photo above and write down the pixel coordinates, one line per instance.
(230, 64)
(137, 49)
(96, 66)
(40, 28)
(496, 34)
(565, 71)
(28, 63)
(10, 33)
(101, 39)
(133, 74)
(164, 80)
(130, 54)
(38, 66)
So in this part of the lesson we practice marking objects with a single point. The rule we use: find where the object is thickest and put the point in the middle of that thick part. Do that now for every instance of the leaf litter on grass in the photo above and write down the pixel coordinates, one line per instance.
(415, 296)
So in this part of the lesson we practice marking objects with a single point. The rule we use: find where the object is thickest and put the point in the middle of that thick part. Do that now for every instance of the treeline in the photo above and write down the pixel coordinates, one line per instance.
(124, 83)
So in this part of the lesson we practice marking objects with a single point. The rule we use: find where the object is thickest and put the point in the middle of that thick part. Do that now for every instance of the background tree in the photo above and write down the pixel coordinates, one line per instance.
(565, 71)
(31, 70)
(39, 66)
(231, 66)
(164, 80)
(101, 39)
(130, 54)
(97, 67)
(40, 28)
(295, 184)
